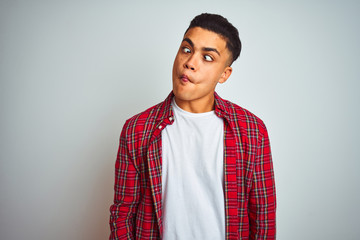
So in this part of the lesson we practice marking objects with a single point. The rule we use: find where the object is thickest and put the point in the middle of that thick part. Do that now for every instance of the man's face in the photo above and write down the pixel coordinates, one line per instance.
(201, 62)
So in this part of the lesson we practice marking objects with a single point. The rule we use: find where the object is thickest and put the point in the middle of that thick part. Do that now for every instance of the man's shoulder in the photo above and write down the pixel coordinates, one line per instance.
(149, 118)
(242, 116)
(150, 114)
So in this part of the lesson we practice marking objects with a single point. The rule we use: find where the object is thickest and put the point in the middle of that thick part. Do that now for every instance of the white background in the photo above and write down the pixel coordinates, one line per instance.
(73, 71)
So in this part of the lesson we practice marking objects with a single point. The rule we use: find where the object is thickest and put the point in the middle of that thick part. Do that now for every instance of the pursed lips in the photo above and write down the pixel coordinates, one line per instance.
(185, 78)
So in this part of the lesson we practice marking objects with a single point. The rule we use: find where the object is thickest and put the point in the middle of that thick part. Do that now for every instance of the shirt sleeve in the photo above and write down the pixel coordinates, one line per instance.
(126, 192)
(262, 201)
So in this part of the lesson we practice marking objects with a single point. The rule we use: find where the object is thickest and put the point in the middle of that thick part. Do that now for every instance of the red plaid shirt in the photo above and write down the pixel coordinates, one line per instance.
(250, 201)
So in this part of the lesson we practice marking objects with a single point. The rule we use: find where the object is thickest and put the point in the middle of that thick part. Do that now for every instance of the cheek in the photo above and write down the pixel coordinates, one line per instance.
(219, 72)
(176, 62)
(215, 77)
(214, 71)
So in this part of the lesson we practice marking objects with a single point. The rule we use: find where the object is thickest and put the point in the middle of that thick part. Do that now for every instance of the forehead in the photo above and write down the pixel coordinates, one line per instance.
(205, 38)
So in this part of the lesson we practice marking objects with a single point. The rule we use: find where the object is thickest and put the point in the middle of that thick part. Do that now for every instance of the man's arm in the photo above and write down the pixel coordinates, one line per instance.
(262, 202)
(127, 192)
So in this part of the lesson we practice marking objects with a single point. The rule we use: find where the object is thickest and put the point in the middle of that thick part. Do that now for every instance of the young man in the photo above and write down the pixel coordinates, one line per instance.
(196, 166)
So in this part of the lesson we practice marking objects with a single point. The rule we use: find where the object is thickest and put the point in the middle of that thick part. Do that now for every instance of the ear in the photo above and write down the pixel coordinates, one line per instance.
(225, 75)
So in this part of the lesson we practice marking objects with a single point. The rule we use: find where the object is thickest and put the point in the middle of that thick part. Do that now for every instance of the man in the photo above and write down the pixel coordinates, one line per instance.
(196, 166)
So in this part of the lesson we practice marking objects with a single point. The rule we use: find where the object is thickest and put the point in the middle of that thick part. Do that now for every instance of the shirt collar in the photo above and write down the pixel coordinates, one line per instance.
(221, 107)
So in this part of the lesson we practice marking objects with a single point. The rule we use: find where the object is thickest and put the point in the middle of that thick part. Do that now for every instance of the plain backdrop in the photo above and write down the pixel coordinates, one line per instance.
(72, 72)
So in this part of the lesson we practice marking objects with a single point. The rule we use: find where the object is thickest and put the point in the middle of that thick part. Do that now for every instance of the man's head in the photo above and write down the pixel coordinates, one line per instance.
(220, 25)
(203, 60)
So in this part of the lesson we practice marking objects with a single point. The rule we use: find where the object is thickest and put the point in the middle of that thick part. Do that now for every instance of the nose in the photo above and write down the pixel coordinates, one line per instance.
(190, 63)
(188, 66)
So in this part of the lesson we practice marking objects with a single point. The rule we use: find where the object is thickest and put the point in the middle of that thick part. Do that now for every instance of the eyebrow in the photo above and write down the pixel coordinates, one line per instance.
(188, 41)
(207, 49)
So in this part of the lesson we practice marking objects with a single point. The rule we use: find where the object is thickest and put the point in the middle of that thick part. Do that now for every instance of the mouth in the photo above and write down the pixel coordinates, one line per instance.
(184, 78)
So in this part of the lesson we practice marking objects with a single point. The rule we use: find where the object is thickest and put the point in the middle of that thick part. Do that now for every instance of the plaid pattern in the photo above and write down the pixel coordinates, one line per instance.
(250, 201)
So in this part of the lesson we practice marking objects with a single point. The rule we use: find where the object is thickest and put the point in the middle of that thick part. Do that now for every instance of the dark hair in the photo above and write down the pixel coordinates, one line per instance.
(220, 25)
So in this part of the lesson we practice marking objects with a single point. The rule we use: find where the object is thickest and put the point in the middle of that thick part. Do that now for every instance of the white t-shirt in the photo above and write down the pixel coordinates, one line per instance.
(193, 176)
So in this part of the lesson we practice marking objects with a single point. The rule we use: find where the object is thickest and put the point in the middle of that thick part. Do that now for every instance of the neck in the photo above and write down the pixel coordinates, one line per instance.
(198, 105)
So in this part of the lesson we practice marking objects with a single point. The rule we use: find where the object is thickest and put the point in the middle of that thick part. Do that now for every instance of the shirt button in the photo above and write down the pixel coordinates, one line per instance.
(170, 118)
(160, 127)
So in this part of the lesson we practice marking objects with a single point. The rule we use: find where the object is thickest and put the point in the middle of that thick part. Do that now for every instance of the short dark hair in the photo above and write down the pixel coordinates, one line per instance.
(220, 25)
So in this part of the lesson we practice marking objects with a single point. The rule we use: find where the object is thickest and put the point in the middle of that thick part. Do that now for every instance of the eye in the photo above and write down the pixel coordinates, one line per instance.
(208, 58)
(186, 50)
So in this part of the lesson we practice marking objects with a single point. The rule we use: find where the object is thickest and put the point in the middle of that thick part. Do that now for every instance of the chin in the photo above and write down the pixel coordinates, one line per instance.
(184, 95)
